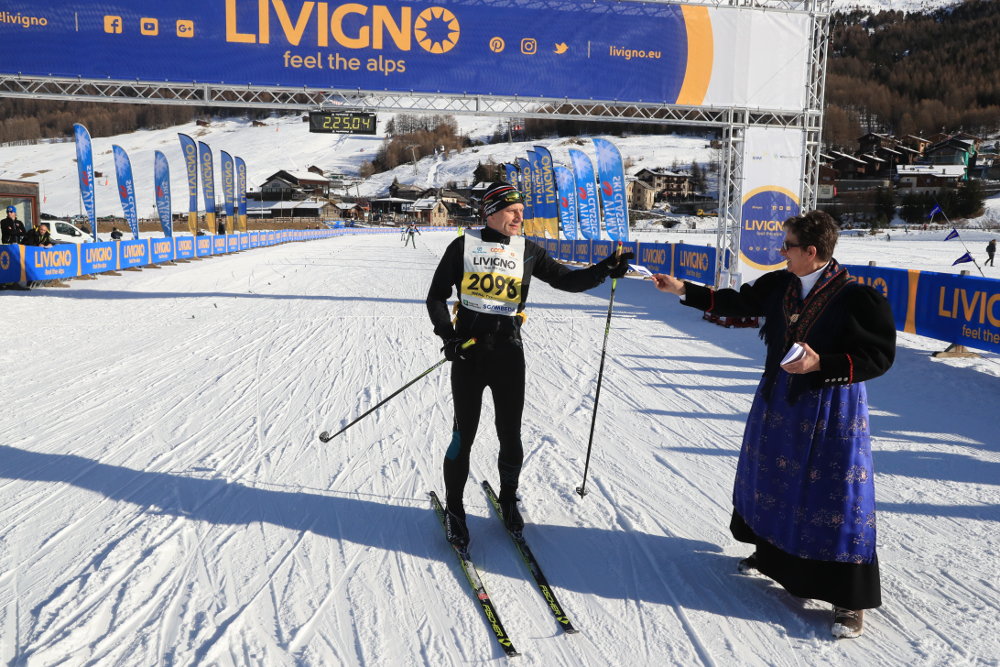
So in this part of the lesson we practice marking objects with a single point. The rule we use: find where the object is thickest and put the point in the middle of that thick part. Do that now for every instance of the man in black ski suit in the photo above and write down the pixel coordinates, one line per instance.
(491, 269)
(12, 228)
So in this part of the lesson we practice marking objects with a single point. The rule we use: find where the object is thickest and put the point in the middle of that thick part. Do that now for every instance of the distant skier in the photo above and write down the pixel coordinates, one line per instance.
(116, 234)
(991, 249)
(491, 269)
(411, 232)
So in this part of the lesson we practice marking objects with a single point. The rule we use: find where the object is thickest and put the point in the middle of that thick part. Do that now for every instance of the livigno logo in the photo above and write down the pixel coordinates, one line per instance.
(4, 260)
(437, 30)
(764, 211)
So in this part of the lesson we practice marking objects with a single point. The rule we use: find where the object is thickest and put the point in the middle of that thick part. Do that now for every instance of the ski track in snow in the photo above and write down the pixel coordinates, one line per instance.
(164, 498)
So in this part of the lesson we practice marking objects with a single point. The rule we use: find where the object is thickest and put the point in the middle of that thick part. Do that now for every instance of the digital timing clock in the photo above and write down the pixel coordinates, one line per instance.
(342, 122)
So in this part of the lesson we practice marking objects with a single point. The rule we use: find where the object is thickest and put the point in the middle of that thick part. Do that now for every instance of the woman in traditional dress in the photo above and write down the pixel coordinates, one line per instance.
(804, 494)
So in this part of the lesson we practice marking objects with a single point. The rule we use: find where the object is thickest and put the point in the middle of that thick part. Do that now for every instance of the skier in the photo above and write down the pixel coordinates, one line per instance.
(12, 228)
(411, 230)
(991, 249)
(491, 269)
(804, 493)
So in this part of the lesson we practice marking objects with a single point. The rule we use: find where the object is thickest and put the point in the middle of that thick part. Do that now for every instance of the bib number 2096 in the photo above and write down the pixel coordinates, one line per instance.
(493, 285)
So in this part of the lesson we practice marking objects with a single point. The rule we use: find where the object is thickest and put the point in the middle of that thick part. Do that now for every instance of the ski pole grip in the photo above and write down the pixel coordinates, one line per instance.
(469, 343)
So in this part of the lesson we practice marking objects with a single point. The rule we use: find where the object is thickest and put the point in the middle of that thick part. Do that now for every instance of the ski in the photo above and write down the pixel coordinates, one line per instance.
(536, 571)
(472, 574)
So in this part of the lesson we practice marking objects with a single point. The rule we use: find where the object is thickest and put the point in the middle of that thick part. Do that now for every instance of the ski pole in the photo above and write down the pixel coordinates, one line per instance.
(325, 435)
(582, 489)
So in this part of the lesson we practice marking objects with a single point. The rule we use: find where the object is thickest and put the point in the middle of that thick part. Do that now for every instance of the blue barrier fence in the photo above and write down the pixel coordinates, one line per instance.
(961, 310)
(684, 260)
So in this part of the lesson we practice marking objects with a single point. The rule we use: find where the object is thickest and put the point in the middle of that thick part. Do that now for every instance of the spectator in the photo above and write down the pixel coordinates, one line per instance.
(222, 226)
(12, 228)
(116, 235)
(39, 236)
(991, 249)
(804, 493)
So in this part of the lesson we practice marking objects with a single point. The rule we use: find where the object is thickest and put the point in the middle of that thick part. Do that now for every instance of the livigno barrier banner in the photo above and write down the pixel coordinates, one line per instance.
(11, 267)
(957, 309)
(650, 52)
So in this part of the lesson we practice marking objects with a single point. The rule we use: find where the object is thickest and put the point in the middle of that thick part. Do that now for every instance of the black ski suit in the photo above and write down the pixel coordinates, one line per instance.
(495, 361)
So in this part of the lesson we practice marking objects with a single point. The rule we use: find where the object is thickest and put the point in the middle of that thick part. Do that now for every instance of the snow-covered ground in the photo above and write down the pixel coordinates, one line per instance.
(164, 498)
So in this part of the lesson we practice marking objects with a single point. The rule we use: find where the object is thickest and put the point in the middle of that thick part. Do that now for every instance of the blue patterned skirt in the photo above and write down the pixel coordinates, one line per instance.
(804, 482)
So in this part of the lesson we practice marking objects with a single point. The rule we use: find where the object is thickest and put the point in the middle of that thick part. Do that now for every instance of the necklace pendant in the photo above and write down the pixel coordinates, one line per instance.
(794, 318)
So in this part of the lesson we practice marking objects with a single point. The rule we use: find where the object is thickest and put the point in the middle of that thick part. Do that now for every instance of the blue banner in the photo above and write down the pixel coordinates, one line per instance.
(218, 245)
(581, 251)
(161, 177)
(538, 195)
(204, 246)
(657, 257)
(228, 167)
(161, 250)
(695, 263)
(524, 172)
(11, 264)
(547, 198)
(241, 193)
(207, 184)
(510, 174)
(126, 189)
(586, 191)
(133, 253)
(566, 250)
(98, 257)
(60, 261)
(566, 187)
(184, 246)
(85, 168)
(611, 173)
(637, 51)
(190, 151)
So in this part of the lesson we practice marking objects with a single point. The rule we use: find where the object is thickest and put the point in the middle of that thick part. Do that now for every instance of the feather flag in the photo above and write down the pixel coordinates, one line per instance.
(953, 234)
(85, 168)
(126, 189)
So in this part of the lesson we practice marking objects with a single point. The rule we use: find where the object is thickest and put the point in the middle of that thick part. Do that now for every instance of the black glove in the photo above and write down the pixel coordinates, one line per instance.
(616, 267)
(453, 350)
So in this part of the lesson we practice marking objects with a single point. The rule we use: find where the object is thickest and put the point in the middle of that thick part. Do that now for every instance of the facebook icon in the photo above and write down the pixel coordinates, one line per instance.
(113, 24)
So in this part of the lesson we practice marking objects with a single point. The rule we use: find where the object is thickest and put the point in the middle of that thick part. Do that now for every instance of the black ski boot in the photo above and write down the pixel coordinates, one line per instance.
(457, 532)
(511, 516)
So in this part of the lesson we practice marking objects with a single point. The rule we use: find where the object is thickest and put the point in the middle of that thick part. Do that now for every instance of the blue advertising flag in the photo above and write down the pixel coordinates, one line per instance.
(529, 208)
(566, 185)
(241, 193)
(967, 257)
(190, 151)
(611, 173)
(586, 195)
(510, 174)
(228, 186)
(85, 167)
(207, 184)
(161, 178)
(549, 198)
(537, 194)
(934, 211)
(953, 234)
(126, 189)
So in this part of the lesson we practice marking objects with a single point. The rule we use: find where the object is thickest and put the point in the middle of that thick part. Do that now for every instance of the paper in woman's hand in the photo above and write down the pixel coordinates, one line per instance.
(795, 353)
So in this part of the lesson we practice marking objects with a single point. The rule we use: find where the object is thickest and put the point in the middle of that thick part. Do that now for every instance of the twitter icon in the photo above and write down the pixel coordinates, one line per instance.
(561, 48)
